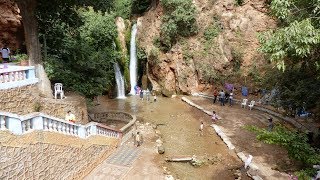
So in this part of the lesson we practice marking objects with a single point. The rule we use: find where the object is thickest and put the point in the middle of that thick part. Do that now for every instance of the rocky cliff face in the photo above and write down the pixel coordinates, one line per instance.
(11, 30)
(186, 67)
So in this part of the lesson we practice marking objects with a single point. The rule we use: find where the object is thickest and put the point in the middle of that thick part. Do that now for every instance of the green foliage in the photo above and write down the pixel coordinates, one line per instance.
(179, 19)
(212, 31)
(123, 8)
(297, 41)
(294, 142)
(20, 57)
(156, 42)
(207, 72)
(140, 6)
(153, 57)
(239, 2)
(237, 60)
(306, 174)
(84, 60)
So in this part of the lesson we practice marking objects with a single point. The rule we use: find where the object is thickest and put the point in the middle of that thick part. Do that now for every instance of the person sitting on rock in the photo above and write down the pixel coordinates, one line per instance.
(70, 117)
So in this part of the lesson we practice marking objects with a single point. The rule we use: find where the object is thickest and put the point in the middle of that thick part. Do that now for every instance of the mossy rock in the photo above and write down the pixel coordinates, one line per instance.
(167, 93)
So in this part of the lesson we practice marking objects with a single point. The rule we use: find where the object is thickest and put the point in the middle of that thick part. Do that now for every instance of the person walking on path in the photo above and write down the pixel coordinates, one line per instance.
(5, 52)
(222, 97)
(270, 124)
(231, 98)
(138, 139)
(154, 97)
(215, 94)
(201, 128)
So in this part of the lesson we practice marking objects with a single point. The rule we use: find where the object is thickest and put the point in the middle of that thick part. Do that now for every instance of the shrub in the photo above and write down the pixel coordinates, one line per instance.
(295, 143)
(140, 6)
(122, 8)
(179, 19)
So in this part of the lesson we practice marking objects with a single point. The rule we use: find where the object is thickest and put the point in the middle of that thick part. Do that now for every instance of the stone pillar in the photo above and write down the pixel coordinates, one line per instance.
(82, 131)
(14, 125)
(37, 123)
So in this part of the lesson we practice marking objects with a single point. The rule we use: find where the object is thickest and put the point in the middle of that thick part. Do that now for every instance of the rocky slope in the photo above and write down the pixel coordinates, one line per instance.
(187, 66)
(11, 30)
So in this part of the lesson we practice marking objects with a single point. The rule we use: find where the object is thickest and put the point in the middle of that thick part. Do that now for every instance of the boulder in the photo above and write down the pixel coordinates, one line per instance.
(161, 149)
(167, 93)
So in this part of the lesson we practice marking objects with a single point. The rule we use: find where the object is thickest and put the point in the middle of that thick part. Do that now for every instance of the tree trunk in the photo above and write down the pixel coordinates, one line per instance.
(154, 4)
(30, 25)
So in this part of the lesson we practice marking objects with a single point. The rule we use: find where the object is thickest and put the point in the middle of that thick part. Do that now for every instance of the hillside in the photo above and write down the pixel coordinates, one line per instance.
(195, 61)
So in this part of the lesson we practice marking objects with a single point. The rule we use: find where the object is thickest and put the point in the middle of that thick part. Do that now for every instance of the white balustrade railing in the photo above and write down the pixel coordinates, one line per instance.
(38, 121)
(16, 76)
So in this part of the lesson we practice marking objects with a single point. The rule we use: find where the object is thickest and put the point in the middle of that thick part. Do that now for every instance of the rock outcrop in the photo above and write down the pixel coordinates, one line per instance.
(11, 30)
(239, 28)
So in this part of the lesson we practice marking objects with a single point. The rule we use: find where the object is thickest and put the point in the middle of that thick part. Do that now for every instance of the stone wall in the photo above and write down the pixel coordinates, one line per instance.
(48, 161)
(24, 100)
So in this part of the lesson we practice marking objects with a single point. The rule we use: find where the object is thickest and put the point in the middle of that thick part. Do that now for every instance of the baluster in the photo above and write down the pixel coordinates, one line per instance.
(76, 130)
(16, 76)
(28, 125)
(72, 129)
(2, 122)
(54, 125)
(45, 124)
(64, 128)
(1, 78)
(6, 77)
(24, 75)
(67, 129)
(23, 125)
(50, 125)
(59, 127)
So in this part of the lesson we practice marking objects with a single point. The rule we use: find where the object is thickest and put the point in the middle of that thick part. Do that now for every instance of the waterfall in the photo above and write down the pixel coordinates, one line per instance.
(119, 81)
(133, 59)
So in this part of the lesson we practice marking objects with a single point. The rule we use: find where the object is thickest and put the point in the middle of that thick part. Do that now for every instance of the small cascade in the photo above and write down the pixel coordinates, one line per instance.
(133, 60)
(119, 81)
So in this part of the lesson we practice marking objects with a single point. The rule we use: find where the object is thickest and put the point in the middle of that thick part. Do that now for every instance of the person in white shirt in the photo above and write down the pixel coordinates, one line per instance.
(201, 128)
(5, 52)
(70, 117)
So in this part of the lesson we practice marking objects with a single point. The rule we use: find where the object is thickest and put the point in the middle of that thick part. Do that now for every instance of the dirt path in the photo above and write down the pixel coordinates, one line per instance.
(181, 138)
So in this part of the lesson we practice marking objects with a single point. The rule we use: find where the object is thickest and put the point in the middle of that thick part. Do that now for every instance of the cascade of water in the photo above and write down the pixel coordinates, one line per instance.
(119, 81)
(133, 60)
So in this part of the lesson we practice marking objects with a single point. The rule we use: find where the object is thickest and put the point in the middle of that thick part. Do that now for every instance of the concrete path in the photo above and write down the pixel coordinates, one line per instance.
(117, 165)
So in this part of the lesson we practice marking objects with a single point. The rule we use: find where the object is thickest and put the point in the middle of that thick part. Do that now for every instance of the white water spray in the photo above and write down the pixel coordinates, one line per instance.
(119, 81)
(133, 60)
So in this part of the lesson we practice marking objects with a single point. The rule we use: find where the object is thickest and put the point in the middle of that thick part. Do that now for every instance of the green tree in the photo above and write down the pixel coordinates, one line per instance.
(87, 54)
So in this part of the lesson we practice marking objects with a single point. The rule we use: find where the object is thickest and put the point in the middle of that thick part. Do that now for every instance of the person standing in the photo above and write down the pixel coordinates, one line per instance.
(270, 124)
(5, 51)
(154, 97)
(201, 128)
(222, 97)
(141, 94)
(138, 139)
(215, 94)
(231, 98)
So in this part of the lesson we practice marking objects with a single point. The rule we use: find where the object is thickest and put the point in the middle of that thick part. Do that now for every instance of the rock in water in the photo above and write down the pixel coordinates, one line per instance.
(161, 150)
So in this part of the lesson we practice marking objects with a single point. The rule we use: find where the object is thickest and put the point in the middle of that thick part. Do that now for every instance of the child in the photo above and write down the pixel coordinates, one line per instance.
(214, 116)
(154, 97)
(201, 128)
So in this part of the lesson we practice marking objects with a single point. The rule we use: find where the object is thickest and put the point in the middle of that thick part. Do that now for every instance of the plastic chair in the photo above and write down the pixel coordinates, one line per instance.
(58, 90)
(251, 104)
(244, 103)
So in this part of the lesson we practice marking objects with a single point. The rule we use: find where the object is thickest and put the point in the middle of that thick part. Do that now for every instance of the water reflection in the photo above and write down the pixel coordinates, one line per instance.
(130, 104)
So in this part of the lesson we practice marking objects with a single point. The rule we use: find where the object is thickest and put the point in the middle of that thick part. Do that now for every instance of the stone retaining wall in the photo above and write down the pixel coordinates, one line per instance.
(49, 161)
(24, 100)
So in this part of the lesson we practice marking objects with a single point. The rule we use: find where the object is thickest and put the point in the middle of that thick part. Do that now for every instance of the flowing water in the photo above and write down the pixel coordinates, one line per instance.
(119, 81)
(133, 60)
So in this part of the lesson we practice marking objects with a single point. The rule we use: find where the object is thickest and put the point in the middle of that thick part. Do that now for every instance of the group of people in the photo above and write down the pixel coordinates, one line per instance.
(223, 97)
(5, 54)
(147, 95)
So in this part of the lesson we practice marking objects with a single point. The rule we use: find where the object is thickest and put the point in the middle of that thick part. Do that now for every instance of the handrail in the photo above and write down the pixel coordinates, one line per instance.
(38, 121)
(17, 76)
